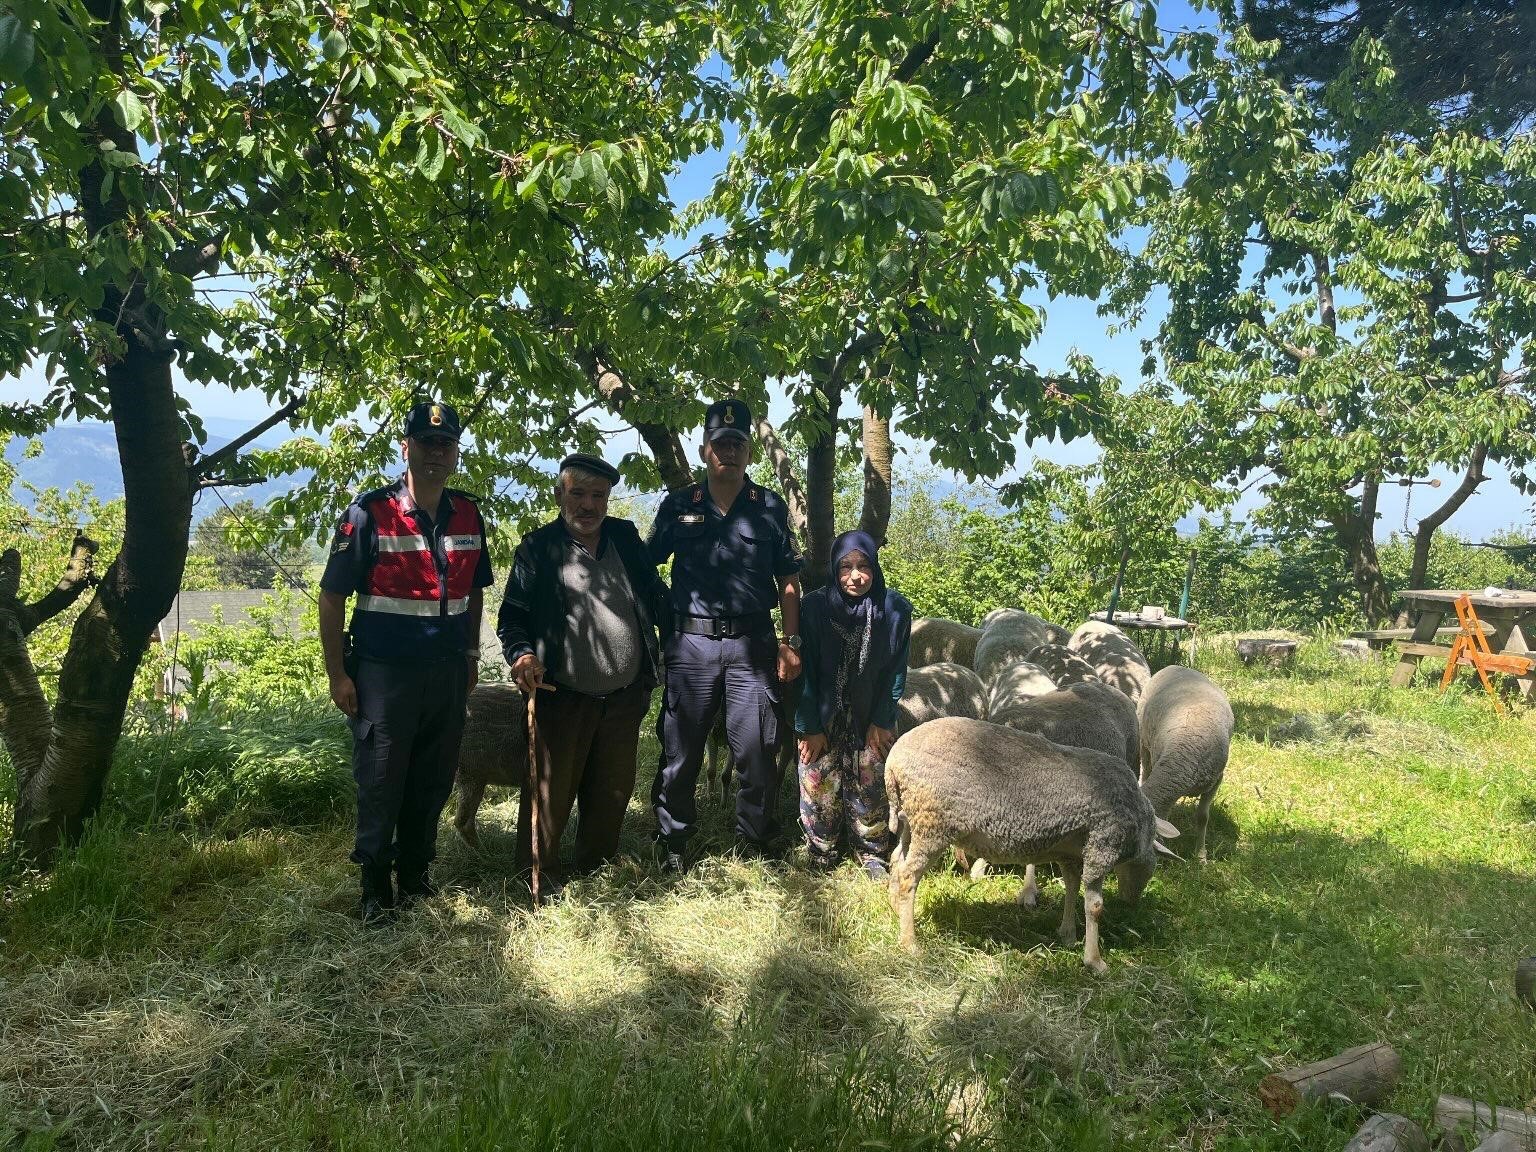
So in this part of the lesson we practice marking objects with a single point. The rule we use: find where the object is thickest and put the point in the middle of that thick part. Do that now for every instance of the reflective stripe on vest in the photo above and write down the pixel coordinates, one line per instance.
(403, 579)
(396, 606)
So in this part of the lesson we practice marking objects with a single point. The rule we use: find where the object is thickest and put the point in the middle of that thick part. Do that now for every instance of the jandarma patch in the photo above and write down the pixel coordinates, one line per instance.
(341, 545)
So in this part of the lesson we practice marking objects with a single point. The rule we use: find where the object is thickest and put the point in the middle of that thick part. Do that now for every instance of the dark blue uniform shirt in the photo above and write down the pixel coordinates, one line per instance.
(726, 564)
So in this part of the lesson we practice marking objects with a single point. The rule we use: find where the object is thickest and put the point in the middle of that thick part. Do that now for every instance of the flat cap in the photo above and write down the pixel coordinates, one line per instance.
(593, 464)
(727, 418)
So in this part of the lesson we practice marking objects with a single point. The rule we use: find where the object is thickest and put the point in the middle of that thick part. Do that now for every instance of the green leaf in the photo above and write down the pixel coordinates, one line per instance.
(17, 46)
(130, 110)
(334, 45)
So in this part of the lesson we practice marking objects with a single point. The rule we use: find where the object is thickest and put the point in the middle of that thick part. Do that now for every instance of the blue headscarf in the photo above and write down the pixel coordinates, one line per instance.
(856, 612)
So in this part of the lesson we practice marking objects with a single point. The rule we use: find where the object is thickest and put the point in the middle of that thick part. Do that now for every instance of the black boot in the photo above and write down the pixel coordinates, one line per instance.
(415, 884)
(378, 896)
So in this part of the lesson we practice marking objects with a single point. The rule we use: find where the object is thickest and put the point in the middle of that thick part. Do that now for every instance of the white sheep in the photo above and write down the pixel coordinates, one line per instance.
(1186, 737)
(1114, 657)
(1007, 635)
(939, 641)
(938, 690)
(1015, 797)
(1015, 682)
(1063, 665)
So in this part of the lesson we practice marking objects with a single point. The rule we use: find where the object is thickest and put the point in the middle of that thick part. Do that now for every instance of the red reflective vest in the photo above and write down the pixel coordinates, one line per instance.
(404, 578)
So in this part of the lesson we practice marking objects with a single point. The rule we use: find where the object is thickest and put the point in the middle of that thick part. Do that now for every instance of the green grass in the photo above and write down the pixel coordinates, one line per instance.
(1371, 879)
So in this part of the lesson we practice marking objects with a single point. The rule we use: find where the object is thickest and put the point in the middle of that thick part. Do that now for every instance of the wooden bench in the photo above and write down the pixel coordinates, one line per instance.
(1382, 637)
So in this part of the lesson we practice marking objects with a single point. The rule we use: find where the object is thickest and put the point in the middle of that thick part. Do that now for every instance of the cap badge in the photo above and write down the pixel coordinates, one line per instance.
(437, 414)
(729, 416)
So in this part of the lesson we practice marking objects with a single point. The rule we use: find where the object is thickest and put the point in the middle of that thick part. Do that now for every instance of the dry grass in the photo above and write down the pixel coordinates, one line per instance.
(1373, 853)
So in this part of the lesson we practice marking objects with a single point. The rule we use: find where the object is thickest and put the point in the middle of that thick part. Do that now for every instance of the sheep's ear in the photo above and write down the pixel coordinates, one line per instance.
(1166, 830)
(1164, 850)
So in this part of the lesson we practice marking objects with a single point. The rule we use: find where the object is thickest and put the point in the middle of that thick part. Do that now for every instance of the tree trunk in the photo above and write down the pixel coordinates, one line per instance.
(821, 487)
(1430, 524)
(665, 444)
(1356, 534)
(876, 515)
(778, 458)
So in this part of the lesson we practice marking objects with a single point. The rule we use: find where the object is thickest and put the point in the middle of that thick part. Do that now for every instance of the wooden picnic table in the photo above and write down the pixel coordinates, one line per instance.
(1166, 626)
(1509, 616)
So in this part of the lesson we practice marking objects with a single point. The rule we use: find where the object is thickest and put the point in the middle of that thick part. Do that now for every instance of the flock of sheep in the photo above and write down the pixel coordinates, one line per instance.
(1017, 744)
(1020, 744)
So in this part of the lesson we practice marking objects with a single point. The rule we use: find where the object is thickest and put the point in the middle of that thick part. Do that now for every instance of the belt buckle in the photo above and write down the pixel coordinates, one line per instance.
(718, 625)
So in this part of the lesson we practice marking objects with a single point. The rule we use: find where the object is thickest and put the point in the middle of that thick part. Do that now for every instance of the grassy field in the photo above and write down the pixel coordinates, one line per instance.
(1371, 878)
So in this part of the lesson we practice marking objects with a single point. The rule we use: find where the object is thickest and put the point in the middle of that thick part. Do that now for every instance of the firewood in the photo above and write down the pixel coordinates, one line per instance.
(1525, 981)
(1364, 1075)
(1388, 1132)
(1453, 1113)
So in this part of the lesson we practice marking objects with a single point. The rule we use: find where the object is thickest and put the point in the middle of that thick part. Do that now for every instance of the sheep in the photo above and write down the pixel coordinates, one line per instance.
(1091, 715)
(940, 690)
(1016, 797)
(1015, 682)
(1063, 665)
(1056, 634)
(1114, 657)
(938, 641)
(1007, 635)
(1186, 736)
(494, 750)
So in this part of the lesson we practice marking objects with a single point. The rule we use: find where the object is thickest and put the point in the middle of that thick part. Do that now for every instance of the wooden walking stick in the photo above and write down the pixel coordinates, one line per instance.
(535, 798)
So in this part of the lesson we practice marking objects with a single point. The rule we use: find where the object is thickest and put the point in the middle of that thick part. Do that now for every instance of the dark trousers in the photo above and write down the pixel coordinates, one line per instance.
(702, 676)
(586, 748)
(405, 749)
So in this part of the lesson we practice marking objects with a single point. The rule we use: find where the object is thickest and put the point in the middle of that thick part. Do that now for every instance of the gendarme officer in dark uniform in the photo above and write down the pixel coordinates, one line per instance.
(414, 554)
(734, 561)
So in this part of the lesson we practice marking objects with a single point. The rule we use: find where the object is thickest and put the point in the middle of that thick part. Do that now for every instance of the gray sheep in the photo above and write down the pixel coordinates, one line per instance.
(939, 641)
(494, 751)
(1186, 736)
(939, 690)
(1007, 635)
(1015, 682)
(1090, 715)
(1063, 665)
(1015, 797)
(1114, 657)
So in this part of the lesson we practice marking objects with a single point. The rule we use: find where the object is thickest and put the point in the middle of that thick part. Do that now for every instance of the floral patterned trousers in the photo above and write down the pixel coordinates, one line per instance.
(843, 795)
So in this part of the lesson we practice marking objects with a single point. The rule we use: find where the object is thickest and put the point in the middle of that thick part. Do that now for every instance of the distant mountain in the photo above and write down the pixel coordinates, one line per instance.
(87, 453)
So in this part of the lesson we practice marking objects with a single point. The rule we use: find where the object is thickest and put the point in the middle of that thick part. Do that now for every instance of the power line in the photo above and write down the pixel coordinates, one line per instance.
(293, 581)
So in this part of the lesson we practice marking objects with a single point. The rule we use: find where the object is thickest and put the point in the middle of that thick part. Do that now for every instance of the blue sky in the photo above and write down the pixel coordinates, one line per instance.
(1071, 323)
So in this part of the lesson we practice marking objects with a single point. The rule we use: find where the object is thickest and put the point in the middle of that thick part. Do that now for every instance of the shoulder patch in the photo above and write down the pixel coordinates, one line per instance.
(753, 493)
(698, 494)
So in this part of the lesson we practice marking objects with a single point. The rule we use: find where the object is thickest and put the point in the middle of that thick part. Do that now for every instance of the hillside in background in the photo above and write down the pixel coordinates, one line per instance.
(86, 453)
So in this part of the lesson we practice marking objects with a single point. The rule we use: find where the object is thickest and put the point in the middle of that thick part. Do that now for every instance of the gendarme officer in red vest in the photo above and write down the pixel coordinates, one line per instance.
(414, 555)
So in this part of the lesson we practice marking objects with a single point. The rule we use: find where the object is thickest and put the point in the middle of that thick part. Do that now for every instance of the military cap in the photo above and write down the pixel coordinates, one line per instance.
(433, 418)
(727, 418)
(593, 464)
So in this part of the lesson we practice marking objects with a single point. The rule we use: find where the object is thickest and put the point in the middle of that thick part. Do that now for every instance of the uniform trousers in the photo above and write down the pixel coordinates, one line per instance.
(842, 797)
(704, 675)
(585, 748)
(405, 750)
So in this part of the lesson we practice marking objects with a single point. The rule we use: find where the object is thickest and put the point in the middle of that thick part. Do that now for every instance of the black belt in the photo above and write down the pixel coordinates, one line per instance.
(727, 627)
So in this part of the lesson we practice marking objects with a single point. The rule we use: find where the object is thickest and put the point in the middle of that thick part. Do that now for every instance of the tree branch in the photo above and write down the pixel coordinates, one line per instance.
(784, 472)
(665, 445)
(214, 461)
(79, 574)
(918, 55)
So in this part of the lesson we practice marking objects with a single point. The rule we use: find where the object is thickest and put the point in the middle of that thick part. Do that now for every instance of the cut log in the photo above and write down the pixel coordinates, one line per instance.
(1388, 1132)
(1525, 981)
(1251, 650)
(1455, 1114)
(1364, 1075)
(1502, 1142)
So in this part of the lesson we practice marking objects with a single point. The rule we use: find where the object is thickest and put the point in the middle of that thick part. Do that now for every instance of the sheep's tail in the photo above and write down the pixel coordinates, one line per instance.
(893, 803)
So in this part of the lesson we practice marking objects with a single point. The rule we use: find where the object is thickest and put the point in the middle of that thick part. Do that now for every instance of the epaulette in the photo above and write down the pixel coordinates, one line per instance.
(698, 494)
(368, 498)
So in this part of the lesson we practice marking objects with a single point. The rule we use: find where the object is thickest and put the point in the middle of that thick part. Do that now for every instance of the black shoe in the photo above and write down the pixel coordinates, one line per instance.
(825, 865)
(753, 850)
(415, 884)
(378, 903)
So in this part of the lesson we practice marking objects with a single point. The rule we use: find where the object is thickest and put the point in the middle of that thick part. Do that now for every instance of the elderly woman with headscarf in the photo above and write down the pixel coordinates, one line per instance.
(855, 635)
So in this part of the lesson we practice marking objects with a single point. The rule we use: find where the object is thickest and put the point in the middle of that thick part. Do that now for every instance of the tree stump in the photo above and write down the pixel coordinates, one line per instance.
(1453, 1113)
(1525, 981)
(1364, 1075)
(1388, 1132)
(1251, 650)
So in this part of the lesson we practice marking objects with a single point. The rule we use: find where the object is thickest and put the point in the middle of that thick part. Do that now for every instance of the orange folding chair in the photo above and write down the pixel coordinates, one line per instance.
(1471, 648)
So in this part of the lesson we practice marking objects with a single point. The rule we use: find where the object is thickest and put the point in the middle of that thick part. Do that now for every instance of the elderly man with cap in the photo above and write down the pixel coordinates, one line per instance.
(581, 613)
(734, 561)
(414, 554)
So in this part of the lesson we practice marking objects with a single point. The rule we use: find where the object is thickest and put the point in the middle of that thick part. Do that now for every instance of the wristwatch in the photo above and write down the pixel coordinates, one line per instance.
(793, 642)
